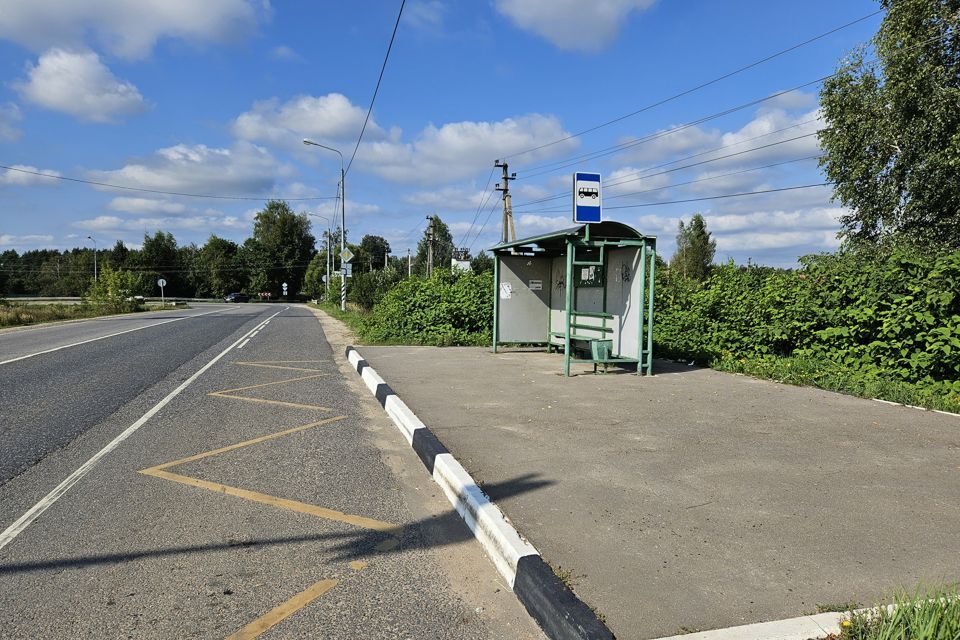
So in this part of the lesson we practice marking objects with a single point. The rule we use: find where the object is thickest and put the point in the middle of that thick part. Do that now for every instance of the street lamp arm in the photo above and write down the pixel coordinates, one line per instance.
(311, 143)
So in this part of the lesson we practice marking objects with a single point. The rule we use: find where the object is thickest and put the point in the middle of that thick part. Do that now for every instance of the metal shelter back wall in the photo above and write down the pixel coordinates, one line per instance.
(524, 310)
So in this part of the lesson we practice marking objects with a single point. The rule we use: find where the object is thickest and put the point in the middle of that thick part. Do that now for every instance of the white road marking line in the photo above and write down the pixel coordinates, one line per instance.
(244, 343)
(111, 335)
(255, 333)
(26, 519)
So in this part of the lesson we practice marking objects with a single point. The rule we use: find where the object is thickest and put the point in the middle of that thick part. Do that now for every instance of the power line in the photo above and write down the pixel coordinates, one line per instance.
(716, 177)
(698, 87)
(640, 175)
(688, 182)
(157, 191)
(705, 198)
(493, 208)
(569, 162)
(483, 201)
(377, 88)
(573, 160)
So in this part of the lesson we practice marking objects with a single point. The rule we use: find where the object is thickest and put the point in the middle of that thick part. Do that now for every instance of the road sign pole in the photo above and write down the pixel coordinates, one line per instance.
(343, 235)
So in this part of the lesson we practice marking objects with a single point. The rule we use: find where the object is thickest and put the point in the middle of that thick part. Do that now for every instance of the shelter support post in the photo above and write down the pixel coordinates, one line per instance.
(653, 268)
(496, 301)
(568, 283)
(643, 284)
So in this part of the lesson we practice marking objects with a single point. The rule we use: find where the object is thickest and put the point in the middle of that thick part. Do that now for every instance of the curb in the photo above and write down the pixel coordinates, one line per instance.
(559, 612)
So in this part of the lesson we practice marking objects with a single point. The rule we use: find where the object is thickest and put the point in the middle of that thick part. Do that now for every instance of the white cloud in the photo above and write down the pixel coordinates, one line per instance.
(426, 15)
(460, 149)
(767, 235)
(765, 123)
(327, 118)
(9, 117)
(29, 241)
(12, 177)
(571, 24)
(145, 205)
(283, 52)
(447, 199)
(670, 142)
(80, 85)
(531, 224)
(243, 169)
(614, 181)
(201, 224)
(127, 29)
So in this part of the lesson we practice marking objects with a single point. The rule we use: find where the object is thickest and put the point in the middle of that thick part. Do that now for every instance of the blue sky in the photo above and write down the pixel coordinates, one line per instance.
(214, 98)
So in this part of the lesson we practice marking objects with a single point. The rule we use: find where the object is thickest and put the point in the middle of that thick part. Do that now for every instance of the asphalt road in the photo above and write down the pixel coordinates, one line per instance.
(261, 492)
(50, 398)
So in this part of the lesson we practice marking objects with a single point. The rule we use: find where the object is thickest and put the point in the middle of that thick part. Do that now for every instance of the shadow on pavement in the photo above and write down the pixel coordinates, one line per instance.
(426, 533)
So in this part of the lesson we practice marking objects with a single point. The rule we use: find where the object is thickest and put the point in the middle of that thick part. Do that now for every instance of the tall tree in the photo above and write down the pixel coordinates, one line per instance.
(374, 251)
(219, 268)
(282, 247)
(892, 144)
(442, 247)
(695, 249)
(161, 257)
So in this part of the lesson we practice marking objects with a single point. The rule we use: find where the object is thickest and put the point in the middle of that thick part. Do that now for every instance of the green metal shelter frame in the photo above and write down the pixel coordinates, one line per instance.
(605, 273)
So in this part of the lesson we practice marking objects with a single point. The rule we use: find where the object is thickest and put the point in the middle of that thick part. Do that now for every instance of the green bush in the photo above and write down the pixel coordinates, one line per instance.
(114, 291)
(883, 317)
(447, 309)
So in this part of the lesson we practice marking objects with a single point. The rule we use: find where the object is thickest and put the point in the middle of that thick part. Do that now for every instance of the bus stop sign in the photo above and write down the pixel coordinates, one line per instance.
(586, 197)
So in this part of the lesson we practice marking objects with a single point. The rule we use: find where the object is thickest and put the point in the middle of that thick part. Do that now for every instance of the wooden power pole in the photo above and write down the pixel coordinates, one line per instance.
(508, 233)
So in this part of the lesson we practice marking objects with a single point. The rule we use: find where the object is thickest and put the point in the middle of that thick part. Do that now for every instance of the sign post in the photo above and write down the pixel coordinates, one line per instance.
(162, 283)
(586, 197)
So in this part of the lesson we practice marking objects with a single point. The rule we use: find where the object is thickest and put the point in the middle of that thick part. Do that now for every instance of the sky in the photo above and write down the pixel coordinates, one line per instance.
(214, 98)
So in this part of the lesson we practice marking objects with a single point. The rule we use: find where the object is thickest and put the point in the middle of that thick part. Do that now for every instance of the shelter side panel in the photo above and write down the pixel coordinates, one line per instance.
(623, 299)
(524, 299)
(558, 303)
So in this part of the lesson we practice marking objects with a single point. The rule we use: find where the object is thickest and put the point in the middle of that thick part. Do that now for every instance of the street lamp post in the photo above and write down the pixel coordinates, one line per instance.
(329, 247)
(95, 279)
(343, 222)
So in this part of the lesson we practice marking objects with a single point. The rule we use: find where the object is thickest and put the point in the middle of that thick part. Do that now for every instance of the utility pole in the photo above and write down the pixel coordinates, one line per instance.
(409, 264)
(508, 233)
(430, 246)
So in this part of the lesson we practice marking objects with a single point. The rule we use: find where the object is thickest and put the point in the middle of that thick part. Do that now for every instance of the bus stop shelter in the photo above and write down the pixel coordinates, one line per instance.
(586, 290)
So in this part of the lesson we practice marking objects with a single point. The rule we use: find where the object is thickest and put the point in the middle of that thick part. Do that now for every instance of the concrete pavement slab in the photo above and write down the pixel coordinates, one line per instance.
(696, 499)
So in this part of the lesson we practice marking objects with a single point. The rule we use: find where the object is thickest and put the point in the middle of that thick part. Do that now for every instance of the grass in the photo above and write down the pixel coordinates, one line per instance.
(13, 314)
(352, 317)
(832, 607)
(828, 375)
(926, 615)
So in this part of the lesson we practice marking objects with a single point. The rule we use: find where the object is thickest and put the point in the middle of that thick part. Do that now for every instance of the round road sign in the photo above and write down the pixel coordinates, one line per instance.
(161, 283)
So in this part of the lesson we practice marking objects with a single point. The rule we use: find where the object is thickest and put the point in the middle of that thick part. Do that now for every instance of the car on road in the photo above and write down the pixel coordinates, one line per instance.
(237, 297)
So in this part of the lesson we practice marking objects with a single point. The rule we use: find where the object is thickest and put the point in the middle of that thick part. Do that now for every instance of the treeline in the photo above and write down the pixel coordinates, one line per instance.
(282, 249)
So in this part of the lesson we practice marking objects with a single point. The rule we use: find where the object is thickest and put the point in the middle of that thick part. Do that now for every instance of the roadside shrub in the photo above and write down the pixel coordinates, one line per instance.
(883, 317)
(447, 309)
(368, 289)
(114, 292)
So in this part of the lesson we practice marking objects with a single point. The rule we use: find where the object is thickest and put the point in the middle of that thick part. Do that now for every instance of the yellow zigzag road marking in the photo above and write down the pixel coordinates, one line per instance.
(229, 393)
(280, 612)
(279, 365)
(160, 471)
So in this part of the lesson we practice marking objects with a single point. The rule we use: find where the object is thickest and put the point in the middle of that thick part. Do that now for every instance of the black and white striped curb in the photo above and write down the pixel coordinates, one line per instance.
(560, 614)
